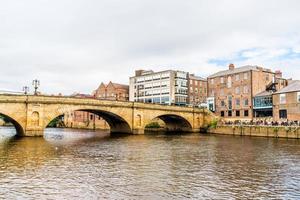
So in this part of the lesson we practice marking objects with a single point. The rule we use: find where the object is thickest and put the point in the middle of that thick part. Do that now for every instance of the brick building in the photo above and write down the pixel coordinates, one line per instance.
(232, 91)
(197, 90)
(111, 91)
(286, 102)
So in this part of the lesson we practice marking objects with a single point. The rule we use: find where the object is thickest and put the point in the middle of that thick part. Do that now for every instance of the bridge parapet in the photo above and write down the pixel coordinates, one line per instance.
(33, 113)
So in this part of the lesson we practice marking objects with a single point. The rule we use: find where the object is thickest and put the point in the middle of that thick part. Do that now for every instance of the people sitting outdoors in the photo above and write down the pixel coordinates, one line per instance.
(265, 122)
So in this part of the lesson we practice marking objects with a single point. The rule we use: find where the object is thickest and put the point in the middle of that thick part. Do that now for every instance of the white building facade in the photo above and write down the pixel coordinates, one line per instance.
(165, 87)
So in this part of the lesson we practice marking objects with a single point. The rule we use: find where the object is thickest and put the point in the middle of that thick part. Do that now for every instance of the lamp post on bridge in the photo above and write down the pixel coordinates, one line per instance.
(25, 90)
(36, 84)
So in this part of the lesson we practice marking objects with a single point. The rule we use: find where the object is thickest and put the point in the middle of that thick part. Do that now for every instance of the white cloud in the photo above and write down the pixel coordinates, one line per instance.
(73, 45)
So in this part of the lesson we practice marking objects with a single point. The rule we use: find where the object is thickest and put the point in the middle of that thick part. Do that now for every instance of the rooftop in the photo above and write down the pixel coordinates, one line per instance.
(264, 93)
(192, 76)
(294, 86)
(234, 70)
(118, 85)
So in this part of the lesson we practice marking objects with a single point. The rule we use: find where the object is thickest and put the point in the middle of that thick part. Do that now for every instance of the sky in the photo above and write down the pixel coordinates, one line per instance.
(74, 45)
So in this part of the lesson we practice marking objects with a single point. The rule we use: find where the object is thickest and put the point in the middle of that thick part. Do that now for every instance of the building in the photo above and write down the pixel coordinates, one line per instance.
(286, 102)
(197, 90)
(164, 87)
(111, 91)
(231, 92)
(263, 101)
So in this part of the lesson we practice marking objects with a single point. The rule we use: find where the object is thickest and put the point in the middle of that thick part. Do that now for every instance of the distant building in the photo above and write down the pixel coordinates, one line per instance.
(231, 91)
(80, 119)
(287, 102)
(197, 90)
(112, 91)
(164, 87)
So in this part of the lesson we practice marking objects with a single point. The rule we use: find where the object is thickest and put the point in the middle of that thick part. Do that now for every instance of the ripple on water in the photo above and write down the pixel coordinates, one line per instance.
(74, 164)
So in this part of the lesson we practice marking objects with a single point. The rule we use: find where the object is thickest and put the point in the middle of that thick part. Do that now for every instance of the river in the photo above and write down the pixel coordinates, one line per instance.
(78, 164)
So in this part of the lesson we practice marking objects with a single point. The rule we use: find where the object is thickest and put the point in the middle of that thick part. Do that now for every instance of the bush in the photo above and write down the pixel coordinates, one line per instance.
(213, 124)
(153, 125)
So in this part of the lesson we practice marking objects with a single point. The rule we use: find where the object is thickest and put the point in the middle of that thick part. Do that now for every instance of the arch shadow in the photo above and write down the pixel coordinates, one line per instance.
(18, 127)
(175, 123)
(117, 123)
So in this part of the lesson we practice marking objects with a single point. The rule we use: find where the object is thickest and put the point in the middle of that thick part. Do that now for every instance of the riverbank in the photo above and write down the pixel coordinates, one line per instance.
(258, 131)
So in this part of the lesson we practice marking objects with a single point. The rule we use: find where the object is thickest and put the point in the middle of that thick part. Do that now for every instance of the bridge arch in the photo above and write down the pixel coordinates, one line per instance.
(116, 122)
(19, 128)
(175, 123)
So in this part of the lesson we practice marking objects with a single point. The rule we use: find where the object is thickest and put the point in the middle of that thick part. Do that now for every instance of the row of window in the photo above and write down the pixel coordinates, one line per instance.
(229, 78)
(237, 102)
(237, 113)
(153, 77)
(195, 82)
(158, 100)
(196, 90)
(245, 89)
(283, 100)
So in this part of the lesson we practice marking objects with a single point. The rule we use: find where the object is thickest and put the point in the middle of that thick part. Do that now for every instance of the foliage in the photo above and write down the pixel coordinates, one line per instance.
(213, 124)
(276, 129)
(57, 122)
(153, 125)
(288, 129)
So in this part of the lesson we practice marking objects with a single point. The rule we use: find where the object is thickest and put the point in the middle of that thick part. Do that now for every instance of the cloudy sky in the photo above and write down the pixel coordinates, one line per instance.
(74, 45)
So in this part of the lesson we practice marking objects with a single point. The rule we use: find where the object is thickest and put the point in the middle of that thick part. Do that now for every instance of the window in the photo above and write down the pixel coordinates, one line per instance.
(229, 82)
(246, 75)
(298, 97)
(212, 81)
(246, 113)
(246, 89)
(222, 92)
(246, 102)
(267, 77)
(229, 102)
(222, 103)
(229, 113)
(282, 114)
(222, 113)
(282, 98)
(237, 102)
(237, 113)
(237, 77)
(222, 80)
(237, 90)
(196, 82)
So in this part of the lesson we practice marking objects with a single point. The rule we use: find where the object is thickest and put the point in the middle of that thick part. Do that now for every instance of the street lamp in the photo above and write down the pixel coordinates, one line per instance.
(25, 90)
(36, 84)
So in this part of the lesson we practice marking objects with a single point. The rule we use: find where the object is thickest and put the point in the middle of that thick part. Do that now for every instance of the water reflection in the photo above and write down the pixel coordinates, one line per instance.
(65, 137)
(74, 164)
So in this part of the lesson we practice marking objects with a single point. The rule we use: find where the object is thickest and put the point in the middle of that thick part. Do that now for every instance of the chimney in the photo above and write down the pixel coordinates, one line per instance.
(231, 66)
(278, 74)
(139, 72)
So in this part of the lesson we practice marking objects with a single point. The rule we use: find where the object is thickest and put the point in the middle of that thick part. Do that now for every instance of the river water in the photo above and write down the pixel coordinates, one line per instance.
(77, 164)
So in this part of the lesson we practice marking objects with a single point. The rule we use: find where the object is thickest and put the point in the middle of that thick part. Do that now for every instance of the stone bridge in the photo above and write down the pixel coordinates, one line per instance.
(32, 114)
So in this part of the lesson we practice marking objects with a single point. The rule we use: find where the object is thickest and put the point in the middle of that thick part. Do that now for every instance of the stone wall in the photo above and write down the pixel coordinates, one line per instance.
(1, 122)
(258, 131)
